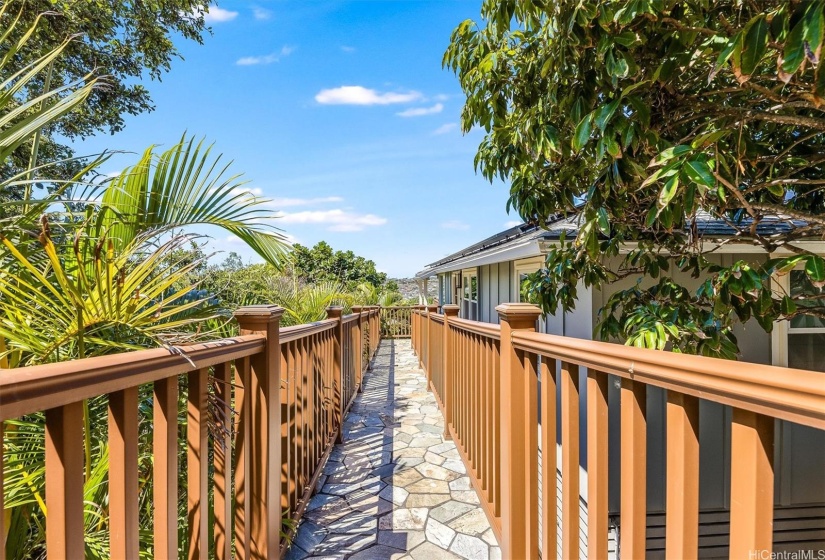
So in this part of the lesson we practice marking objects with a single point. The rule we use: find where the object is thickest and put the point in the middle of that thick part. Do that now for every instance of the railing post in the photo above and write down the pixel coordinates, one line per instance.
(64, 481)
(358, 337)
(447, 368)
(431, 310)
(264, 450)
(338, 404)
(419, 351)
(751, 487)
(517, 453)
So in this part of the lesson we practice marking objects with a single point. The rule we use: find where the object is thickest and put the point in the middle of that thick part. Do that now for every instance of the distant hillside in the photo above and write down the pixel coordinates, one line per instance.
(409, 288)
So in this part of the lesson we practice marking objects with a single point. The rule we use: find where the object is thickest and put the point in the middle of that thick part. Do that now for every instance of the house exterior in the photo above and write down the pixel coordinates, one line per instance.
(491, 272)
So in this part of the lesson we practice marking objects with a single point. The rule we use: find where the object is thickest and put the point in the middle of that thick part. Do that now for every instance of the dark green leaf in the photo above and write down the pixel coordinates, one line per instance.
(815, 268)
(754, 44)
(582, 134)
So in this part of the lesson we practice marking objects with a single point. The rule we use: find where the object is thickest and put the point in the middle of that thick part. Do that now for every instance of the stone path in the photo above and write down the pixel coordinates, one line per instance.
(395, 489)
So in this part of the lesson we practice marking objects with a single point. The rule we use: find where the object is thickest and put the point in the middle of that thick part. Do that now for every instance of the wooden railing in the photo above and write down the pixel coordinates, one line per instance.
(242, 393)
(490, 403)
(396, 322)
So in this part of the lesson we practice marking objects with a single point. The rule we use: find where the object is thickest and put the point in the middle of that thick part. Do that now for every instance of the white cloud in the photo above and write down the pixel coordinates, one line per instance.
(261, 13)
(254, 191)
(441, 97)
(335, 220)
(284, 202)
(265, 59)
(347, 49)
(218, 15)
(445, 128)
(512, 223)
(421, 111)
(455, 224)
(358, 95)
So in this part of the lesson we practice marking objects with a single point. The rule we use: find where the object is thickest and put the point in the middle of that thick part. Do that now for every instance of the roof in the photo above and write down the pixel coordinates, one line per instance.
(524, 240)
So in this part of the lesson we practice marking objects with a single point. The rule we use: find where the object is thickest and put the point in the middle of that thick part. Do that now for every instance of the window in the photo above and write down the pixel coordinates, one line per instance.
(469, 294)
(800, 342)
(522, 269)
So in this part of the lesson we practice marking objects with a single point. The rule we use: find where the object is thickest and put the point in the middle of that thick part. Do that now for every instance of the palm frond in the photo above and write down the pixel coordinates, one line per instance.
(185, 186)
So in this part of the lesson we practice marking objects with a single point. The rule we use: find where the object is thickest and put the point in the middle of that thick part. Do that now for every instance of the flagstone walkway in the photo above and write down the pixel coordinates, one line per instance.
(395, 489)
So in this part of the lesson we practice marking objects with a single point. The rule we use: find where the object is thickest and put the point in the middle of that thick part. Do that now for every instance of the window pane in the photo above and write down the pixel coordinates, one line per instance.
(466, 288)
(807, 351)
(474, 288)
(524, 297)
(801, 285)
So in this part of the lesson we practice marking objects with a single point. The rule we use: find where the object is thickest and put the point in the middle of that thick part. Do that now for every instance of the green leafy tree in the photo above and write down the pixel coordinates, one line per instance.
(122, 41)
(94, 269)
(647, 118)
(322, 263)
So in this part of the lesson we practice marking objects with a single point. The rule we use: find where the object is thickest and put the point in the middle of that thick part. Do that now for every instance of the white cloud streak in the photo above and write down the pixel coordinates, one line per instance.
(265, 59)
(421, 111)
(218, 15)
(261, 14)
(335, 220)
(455, 224)
(512, 223)
(287, 202)
(445, 129)
(359, 95)
(347, 49)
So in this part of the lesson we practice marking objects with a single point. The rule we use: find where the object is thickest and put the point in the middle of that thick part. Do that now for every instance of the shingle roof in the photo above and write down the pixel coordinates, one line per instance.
(707, 226)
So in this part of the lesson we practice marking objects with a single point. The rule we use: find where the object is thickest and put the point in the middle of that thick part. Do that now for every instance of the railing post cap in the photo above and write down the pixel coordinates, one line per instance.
(432, 308)
(509, 311)
(450, 309)
(258, 313)
(420, 306)
(335, 311)
(357, 308)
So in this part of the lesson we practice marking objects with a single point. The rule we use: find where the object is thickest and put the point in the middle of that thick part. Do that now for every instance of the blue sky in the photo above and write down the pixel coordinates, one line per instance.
(340, 112)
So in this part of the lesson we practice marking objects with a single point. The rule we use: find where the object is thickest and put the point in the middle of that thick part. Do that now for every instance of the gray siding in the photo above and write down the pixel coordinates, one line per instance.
(799, 451)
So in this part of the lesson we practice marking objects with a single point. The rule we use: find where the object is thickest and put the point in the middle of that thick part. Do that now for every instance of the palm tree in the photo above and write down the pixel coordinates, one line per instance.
(89, 270)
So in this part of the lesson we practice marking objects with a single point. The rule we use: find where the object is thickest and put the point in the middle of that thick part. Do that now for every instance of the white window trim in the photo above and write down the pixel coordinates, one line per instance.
(782, 329)
(524, 266)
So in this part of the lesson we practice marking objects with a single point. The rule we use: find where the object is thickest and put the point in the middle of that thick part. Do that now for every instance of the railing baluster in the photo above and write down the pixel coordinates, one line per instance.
(243, 436)
(752, 484)
(223, 463)
(496, 477)
(2, 492)
(197, 465)
(64, 482)
(597, 465)
(570, 460)
(531, 467)
(165, 468)
(682, 530)
(123, 474)
(549, 468)
(633, 468)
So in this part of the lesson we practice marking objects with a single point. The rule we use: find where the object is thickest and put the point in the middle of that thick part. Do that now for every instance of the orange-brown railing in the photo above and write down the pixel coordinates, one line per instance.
(491, 378)
(434, 366)
(241, 393)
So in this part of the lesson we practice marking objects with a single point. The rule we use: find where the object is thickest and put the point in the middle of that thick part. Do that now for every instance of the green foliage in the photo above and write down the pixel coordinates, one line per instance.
(647, 118)
(121, 41)
(321, 263)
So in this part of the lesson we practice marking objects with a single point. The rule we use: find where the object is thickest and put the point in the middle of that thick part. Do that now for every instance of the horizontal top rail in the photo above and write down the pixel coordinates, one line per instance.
(437, 318)
(785, 393)
(489, 330)
(288, 334)
(35, 388)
